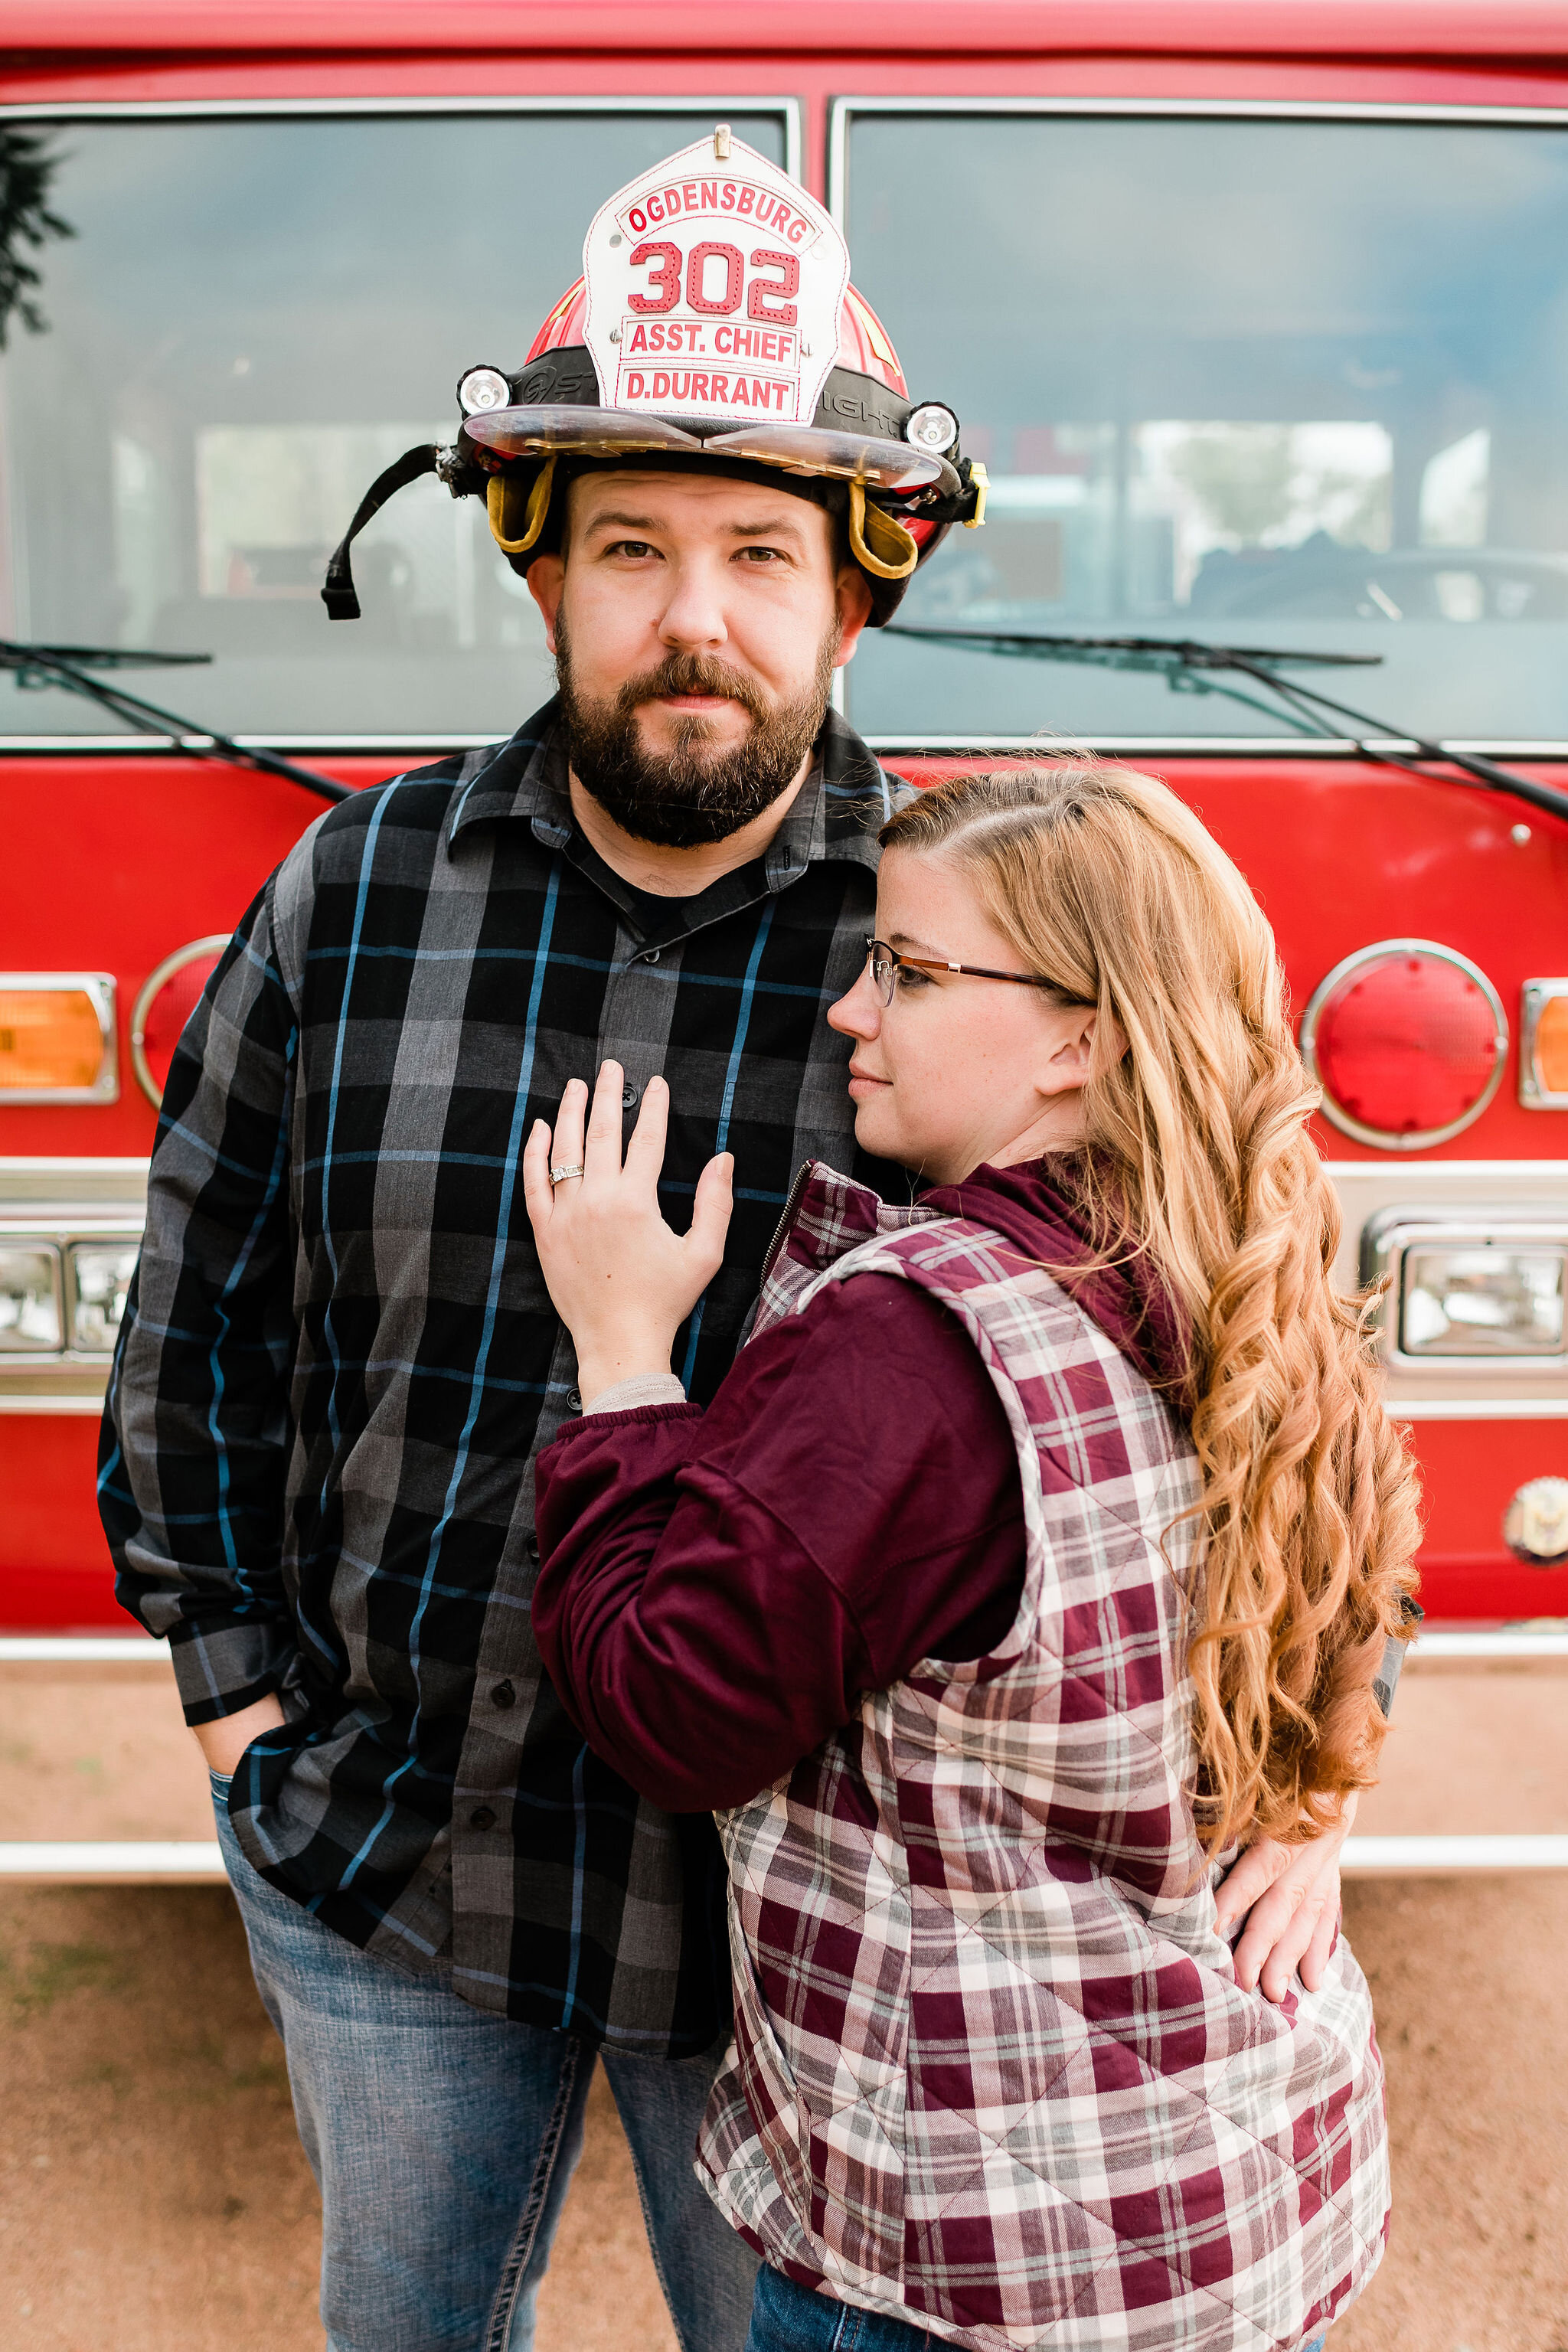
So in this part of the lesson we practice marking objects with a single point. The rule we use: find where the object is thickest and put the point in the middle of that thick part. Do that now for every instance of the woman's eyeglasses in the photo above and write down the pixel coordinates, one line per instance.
(886, 963)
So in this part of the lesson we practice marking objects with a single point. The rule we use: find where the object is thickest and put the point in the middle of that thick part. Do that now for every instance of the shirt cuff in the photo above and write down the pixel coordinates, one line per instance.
(631, 1396)
(221, 1668)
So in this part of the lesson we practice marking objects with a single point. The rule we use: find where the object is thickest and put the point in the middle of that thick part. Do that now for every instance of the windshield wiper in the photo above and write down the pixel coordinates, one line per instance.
(71, 668)
(1189, 664)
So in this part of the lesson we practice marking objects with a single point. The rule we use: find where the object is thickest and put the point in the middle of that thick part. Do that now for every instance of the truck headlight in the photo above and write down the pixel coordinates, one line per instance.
(1490, 1284)
(30, 1322)
(100, 1282)
(1495, 1301)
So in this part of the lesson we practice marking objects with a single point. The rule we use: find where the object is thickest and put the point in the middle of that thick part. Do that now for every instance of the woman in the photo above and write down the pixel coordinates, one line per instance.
(1042, 1543)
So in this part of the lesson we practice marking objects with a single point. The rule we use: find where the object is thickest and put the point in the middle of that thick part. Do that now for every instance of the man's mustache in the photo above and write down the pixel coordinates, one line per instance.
(692, 674)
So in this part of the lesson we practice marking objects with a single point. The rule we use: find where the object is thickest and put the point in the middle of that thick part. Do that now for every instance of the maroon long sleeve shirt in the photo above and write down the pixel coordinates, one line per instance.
(719, 1589)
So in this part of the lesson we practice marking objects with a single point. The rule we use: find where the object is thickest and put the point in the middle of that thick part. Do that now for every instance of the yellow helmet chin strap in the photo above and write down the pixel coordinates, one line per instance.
(877, 541)
(502, 502)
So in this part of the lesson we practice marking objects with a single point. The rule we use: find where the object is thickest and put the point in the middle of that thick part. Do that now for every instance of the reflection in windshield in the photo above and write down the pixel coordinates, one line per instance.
(1232, 378)
(250, 321)
(26, 221)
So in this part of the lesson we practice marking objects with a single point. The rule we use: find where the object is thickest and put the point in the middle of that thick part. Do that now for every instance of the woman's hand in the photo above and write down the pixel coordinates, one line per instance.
(623, 1284)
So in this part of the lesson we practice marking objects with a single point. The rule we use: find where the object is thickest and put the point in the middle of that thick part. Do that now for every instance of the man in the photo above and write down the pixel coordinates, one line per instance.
(339, 1359)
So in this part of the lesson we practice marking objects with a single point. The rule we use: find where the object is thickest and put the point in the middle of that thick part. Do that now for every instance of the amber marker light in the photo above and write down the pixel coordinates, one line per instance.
(1543, 1045)
(56, 1038)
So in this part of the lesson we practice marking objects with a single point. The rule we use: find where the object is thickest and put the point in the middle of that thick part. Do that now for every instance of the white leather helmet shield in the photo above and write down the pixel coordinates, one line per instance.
(714, 287)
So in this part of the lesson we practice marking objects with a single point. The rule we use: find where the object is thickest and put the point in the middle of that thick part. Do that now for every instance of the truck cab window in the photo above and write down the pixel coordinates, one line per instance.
(247, 320)
(1274, 382)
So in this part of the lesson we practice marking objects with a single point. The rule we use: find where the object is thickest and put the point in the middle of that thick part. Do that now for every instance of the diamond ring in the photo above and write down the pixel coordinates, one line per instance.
(560, 1175)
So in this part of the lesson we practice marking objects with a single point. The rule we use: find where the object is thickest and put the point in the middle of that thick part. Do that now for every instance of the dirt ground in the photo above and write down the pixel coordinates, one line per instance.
(153, 2199)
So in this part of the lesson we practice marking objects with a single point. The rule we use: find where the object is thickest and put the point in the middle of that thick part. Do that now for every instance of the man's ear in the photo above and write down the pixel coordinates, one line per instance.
(546, 583)
(853, 594)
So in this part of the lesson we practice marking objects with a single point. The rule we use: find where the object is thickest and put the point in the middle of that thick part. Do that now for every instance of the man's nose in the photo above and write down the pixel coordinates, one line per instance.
(693, 616)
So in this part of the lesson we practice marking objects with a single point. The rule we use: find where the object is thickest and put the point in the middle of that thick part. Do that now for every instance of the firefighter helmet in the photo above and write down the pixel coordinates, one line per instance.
(713, 328)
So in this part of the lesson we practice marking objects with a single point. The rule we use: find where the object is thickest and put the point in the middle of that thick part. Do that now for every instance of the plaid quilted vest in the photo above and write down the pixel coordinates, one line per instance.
(992, 2072)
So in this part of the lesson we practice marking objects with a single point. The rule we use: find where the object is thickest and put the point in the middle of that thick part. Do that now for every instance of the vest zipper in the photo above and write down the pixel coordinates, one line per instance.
(791, 1209)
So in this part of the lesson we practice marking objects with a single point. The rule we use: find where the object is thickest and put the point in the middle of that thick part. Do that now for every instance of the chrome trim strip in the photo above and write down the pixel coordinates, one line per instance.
(82, 1649)
(88, 1862)
(1477, 1408)
(1444, 1643)
(67, 1379)
(87, 1408)
(1440, 1643)
(31, 1176)
(1534, 998)
(418, 747)
(97, 1862)
(1437, 1174)
(1379, 1138)
(209, 109)
(1306, 747)
(98, 987)
(1394, 1857)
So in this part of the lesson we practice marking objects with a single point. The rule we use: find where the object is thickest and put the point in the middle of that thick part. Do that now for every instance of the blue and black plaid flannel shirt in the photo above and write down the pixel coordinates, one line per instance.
(339, 1360)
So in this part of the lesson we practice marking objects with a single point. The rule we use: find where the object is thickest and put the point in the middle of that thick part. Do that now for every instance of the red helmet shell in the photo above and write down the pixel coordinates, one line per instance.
(865, 350)
(864, 344)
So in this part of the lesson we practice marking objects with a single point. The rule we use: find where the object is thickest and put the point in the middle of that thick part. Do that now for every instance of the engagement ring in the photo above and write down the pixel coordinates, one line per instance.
(558, 1175)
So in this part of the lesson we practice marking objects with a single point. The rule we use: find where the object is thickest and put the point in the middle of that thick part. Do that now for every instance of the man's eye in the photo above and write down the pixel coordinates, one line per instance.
(635, 547)
(759, 555)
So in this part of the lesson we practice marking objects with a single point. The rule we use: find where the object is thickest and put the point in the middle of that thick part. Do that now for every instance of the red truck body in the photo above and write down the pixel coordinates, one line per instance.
(116, 855)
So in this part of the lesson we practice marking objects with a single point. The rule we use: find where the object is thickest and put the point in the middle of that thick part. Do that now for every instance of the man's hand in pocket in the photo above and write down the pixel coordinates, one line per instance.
(223, 1743)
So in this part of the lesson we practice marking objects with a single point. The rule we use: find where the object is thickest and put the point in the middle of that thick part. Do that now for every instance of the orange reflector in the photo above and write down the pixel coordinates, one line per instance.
(1552, 1046)
(51, 1041)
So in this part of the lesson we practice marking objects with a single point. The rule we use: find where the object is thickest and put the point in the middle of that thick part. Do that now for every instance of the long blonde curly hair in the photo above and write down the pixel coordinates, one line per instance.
(1196, 1150)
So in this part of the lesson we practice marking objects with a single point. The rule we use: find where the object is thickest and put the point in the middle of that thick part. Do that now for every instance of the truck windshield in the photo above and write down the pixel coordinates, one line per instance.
(1272, 381)
(246, 321)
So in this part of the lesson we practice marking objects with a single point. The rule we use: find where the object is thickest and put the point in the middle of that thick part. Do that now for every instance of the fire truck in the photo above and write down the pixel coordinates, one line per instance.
(1257, 315)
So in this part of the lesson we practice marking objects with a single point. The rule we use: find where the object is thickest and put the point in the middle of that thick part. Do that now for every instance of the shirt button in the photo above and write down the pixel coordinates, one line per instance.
(628, 1097)
(652, 956)
(482, 1818)
(532, 1547)
(503, 1695)
(574, 1401)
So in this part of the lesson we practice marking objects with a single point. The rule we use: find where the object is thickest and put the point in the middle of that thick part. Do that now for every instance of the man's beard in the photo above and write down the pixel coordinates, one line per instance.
(693, 793)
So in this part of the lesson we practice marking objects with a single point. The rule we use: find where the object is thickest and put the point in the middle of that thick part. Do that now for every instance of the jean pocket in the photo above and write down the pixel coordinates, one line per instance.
(219, 1782)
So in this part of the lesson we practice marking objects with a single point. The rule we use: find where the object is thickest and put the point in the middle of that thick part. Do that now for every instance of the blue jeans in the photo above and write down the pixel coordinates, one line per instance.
(790, 2318)
(443, 2140)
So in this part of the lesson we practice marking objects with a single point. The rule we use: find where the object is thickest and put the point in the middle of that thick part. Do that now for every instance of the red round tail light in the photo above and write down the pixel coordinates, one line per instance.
(164, 1002)
(1408, 1041)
